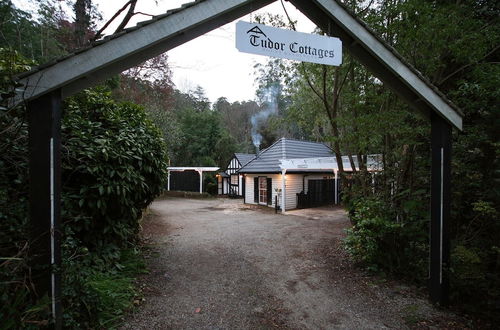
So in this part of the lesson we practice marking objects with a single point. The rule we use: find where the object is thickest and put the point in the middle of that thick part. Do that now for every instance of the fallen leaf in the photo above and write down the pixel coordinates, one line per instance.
(197, 310)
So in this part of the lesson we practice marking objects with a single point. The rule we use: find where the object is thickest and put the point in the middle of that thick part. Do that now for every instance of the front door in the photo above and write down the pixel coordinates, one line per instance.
(262, 190)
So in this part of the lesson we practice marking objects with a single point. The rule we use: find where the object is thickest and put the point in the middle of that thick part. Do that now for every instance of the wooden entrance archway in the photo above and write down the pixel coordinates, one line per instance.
(48, 84)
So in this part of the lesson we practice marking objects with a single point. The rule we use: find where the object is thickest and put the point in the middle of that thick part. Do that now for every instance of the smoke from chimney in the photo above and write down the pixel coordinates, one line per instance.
(270, 107)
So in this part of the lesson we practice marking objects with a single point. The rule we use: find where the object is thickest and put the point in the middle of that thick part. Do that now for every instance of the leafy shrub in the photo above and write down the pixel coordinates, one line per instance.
(114, 165)
(16, 305)
(475, 263)
(97, 297)
(381, 243)
(211, 185)
(187, 194)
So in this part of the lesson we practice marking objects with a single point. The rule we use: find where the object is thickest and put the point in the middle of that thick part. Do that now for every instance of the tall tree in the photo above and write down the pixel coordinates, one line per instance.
(82, 9)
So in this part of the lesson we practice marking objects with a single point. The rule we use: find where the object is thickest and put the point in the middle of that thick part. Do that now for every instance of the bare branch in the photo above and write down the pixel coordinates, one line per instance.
(141, 13)
(362, 11)
(99, 33)
(462, 68)
(128, 16)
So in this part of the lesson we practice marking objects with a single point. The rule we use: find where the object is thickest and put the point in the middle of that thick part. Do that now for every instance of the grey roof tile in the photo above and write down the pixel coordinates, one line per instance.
(244, 158)
(268, 160)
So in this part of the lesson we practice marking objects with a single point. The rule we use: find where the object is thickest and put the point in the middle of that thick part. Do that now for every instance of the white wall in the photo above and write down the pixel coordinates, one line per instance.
(240, 185)
(249, 180)
(293, 187)
(249, 189)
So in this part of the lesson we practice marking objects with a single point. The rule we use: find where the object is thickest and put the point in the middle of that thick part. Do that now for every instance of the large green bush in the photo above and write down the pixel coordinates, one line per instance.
(113, 166)
(380, 242)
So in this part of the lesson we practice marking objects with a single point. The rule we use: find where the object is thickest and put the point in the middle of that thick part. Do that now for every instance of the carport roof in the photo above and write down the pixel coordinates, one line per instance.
(192, 168)
(374, 163)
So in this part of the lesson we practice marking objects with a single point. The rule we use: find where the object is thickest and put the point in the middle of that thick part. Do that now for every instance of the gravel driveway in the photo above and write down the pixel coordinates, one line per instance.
(220, 264)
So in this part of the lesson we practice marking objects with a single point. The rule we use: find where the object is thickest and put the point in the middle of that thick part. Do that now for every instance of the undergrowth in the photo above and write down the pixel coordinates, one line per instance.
(107, 294)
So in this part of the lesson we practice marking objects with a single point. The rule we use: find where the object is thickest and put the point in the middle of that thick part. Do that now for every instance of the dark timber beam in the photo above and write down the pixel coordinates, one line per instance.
(44, 124)
(440, 209)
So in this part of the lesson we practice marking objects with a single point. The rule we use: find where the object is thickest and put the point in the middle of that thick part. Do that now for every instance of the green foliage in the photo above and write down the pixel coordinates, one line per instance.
(34, 40)
(16, 305)
(204, 141)
(96, 294)
(381, 243)
(461, 58)
(11, 62)
(210, 183)
(114, 164)
(236, 119)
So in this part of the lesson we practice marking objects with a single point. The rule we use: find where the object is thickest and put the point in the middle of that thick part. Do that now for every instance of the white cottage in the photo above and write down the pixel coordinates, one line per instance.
(304, 172)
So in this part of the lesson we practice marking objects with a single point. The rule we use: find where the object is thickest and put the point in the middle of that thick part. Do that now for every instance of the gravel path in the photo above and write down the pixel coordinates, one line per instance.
(220, 264)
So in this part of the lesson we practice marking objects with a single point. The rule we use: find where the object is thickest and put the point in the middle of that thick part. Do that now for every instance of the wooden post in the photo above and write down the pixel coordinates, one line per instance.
(168, 180)
(283, 191)
(44, 124)
(200, 172)
(336, 188)
(440, 209)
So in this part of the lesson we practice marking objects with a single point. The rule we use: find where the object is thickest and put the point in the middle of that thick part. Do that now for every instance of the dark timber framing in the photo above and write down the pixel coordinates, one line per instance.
(47, 85)
(44, 140)
(232, 169)
(440, 209)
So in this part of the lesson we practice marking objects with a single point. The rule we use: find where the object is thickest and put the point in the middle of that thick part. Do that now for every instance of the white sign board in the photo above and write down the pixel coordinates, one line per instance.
(269, 41)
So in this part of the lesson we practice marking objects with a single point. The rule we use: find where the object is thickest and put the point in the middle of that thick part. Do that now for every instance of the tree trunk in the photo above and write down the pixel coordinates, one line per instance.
(82, 21)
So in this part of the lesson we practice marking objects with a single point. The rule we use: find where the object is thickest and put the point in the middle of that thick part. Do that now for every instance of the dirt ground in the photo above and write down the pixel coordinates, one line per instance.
(220, 264)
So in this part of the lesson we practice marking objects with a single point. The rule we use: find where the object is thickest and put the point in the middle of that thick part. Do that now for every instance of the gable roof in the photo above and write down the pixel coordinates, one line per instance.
(123, 50)
(268, 160)
(244, 158)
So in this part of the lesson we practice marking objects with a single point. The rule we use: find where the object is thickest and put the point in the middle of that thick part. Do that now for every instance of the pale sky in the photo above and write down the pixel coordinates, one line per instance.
(210, 61)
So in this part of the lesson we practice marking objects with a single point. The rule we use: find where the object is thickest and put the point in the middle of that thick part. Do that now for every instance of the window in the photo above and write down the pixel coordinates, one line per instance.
(262, 190)
(234, 179)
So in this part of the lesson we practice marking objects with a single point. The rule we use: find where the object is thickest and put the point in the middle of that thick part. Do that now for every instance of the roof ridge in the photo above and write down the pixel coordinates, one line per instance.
(298, 140)
(257, 156)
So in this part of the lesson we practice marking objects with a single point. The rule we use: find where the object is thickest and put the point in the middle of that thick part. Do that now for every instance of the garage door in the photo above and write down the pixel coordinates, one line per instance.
(321, 192)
